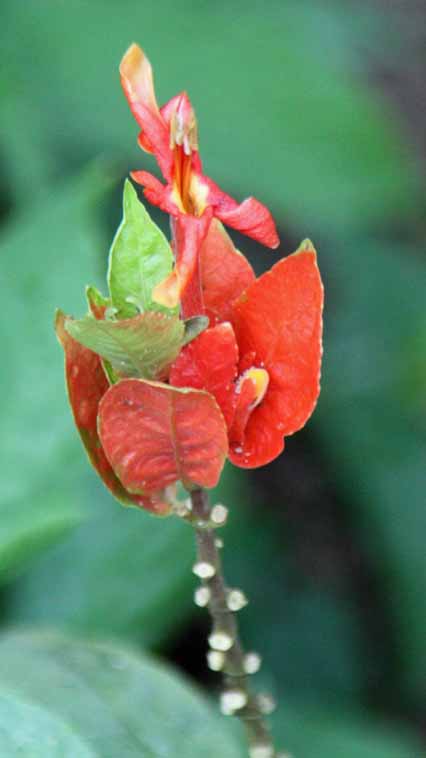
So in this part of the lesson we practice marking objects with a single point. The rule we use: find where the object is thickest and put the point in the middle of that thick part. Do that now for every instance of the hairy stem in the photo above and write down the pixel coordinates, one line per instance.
(225, 633)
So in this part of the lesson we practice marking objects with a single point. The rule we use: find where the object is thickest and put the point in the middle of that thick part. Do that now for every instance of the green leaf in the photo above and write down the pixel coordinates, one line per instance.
(139, 347)
(101, 701)
(140, 258)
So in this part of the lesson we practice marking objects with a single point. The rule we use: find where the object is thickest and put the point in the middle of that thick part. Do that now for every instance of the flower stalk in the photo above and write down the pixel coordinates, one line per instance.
(226, 653)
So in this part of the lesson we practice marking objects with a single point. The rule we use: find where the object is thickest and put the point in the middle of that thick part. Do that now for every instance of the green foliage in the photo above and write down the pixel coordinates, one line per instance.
(101, 701)
(140, 258)
(320, 733)
(42, 263)
(370, 420)
(139, 347)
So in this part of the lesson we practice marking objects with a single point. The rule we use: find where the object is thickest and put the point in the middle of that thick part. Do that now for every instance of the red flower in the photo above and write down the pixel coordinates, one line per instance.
(263, 364)
(190, 197)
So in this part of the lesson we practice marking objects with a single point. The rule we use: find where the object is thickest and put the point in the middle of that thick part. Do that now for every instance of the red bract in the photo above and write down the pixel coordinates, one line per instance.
(154, 435)
(170, 133)
(87, 384)
(277, 323)
(210, 363)
(225, 273)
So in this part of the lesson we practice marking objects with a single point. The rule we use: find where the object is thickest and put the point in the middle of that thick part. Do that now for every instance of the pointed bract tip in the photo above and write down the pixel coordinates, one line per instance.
(306, 246)
(59, 324)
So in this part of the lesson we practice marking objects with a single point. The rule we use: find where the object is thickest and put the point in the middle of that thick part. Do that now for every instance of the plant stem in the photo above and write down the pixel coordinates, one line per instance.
(235, 677)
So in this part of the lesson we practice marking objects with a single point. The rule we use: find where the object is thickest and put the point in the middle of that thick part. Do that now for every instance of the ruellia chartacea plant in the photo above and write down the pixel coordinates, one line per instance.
(191, 360)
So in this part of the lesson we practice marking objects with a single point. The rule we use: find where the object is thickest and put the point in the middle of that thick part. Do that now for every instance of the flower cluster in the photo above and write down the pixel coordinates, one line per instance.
(190, 359)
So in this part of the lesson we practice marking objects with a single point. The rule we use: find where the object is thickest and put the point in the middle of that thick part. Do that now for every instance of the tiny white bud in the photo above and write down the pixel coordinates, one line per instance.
(231, 701)
(203, 570)
(266, 703)
(236, 600)
(221, 641)
(215, 660)
(218, 543)
(252, 663)
(202, 596)
(261, 751)
(219, 514)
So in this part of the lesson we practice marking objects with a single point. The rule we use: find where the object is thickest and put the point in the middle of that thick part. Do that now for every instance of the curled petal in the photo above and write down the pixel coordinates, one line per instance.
(279, 321)
(249, 217)
(157, 193)
(253, 219)
(137, 82)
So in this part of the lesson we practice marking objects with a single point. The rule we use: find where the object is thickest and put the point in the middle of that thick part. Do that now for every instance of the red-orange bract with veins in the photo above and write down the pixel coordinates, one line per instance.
(154, 435)
(225, 273)
(279, 321)
(210, 363)
(87, 384)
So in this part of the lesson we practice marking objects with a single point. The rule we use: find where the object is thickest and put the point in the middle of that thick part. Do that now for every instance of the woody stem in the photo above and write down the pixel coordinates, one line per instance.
(236, 687)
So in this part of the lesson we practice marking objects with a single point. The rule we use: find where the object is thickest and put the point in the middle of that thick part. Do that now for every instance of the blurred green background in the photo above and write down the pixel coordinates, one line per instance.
(318, 109)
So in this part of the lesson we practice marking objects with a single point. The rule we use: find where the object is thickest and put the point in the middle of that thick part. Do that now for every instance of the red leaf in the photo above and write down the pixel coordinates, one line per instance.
(154, 435)
(225, 273)
(87, 384)
(210, 363)
(279, 320)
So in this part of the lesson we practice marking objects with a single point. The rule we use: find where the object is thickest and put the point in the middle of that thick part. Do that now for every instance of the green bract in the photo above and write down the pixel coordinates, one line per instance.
(140, 258)
(139, 347)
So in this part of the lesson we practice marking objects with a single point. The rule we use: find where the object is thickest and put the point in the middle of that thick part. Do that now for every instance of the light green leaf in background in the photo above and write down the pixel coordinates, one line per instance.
(139, 347)
(140, 258)
(102, 701)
